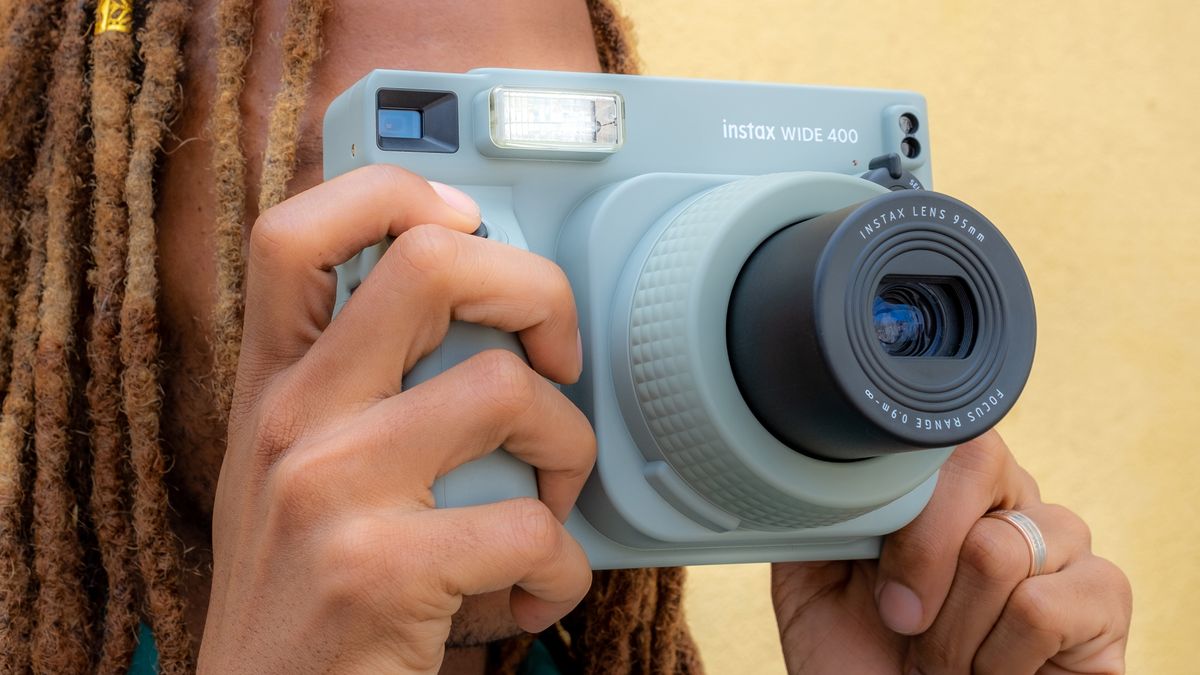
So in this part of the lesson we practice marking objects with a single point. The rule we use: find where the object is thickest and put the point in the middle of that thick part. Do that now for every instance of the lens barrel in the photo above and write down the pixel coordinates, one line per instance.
(709, 443)
(900, 323)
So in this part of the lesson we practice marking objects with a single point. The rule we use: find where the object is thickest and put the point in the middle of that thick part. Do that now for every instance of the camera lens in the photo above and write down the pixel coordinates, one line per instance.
(920, 318)
(777, 328)
(881, 327)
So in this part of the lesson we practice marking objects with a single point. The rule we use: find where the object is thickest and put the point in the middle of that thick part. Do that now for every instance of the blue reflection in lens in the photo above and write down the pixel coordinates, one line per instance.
(906, 323)
(400, 124)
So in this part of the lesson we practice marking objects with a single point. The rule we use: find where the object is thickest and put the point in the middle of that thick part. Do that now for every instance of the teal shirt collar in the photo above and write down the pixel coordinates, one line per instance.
(145, 657)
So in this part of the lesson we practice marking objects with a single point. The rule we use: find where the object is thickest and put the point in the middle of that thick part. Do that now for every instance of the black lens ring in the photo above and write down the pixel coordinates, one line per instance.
(982, 287)
(989, 301)
(847, 275)
(801, 337)
(878, 366)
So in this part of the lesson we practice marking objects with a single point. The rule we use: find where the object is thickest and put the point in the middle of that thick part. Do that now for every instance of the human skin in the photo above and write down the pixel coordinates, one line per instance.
(329, 553)
(289, 504)
(358, 37)
(950, 592)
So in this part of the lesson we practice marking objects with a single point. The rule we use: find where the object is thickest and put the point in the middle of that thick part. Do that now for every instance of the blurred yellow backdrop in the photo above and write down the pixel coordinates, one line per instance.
(1072, 126)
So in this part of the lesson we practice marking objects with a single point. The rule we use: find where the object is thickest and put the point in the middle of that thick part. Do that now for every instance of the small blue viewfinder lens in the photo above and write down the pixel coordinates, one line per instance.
(400, 123)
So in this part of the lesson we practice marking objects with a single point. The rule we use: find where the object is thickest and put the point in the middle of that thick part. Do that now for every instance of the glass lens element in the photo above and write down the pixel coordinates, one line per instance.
(557, 120)
(922, 317)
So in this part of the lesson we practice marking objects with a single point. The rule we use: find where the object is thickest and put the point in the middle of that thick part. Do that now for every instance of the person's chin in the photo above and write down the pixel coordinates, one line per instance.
(482, 619)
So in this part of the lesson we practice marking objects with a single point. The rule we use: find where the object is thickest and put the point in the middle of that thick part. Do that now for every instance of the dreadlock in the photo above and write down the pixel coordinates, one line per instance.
(86, 547)
(112, 84)
(229, 167)
(159, 560)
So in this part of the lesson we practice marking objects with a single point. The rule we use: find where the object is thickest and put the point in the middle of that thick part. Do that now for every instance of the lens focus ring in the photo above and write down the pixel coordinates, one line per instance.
(681, 378)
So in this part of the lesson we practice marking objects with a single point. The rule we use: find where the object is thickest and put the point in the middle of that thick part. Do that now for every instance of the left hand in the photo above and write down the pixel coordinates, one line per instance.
(950, 592)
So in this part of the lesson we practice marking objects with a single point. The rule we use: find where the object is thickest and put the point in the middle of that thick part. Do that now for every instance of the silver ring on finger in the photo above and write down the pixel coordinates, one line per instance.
(1029, 530)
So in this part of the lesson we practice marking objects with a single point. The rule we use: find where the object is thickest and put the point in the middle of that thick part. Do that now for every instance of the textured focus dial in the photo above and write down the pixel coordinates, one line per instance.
(669, 306)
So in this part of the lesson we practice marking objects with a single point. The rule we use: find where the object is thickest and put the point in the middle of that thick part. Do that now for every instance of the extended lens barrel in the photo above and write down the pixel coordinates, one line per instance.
(899, 323)
(777, 322)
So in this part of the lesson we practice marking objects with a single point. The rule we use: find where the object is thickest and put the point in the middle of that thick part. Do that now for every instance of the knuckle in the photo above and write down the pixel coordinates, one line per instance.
(992, 553)
(358, 550)
(279, 424)
(980, 461)
(1117, 583)
(352, 559)
(377, 564)
(559, 290)
(384, 173)
(585, 451)
(504, 381)
(389, 176)
(534, 529)
(1033, 609)
(1124, 591)
(1079, 534)
(299, 487)
(272, 235)
(349, 550)
(1026, 483)
(429, 250)
(580, 576)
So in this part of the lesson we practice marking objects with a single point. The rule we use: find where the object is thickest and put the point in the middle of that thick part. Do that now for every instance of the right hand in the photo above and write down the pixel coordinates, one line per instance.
(328, 551)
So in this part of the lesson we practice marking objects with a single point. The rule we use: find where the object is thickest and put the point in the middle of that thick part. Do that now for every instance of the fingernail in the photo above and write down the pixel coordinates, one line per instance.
(900, 608)
(579, 344)
(456, 198)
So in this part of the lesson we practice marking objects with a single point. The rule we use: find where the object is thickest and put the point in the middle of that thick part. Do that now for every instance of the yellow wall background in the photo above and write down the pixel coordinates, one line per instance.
(1073, 126)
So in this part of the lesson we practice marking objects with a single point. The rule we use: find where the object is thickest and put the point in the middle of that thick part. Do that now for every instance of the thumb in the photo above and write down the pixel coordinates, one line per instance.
(918, 562)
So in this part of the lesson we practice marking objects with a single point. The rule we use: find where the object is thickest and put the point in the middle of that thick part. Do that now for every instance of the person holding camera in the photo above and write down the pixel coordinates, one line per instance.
(186, 297)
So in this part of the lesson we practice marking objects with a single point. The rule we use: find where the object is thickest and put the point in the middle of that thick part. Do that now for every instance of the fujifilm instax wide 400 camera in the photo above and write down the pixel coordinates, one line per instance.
(785, 333)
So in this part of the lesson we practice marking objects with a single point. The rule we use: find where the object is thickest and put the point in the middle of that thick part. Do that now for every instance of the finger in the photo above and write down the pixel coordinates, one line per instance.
(430, 276)
(917, 563)
(295, 245)
(512, 543)
(994, 559)
(1076, 620)
(492, 399)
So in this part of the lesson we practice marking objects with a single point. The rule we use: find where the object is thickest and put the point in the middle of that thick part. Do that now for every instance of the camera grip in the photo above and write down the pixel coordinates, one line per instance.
(498, 475)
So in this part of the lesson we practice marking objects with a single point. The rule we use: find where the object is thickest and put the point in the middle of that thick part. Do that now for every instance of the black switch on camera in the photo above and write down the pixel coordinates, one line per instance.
(886, 170)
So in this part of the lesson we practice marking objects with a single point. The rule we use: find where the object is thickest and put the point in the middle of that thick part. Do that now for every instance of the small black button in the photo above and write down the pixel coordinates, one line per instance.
(887, 171)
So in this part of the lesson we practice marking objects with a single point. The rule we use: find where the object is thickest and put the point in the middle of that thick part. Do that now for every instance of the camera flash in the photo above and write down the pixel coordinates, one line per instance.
(558, 120)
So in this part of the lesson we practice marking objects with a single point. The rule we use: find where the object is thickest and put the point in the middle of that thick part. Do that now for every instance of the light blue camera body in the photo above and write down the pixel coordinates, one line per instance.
(652, 228)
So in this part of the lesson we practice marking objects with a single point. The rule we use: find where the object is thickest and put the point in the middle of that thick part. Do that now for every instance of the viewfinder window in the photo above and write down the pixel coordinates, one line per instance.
(400, 124)
(416, 120)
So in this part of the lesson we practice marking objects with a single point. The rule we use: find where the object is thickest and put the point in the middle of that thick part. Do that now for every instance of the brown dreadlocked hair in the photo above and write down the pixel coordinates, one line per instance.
(86, 546)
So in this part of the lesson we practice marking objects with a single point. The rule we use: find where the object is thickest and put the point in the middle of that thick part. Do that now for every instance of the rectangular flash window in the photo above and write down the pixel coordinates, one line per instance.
(559, 120)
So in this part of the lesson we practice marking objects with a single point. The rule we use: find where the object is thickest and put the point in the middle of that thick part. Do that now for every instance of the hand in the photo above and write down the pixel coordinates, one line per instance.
(949, 593)
(328, 551)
